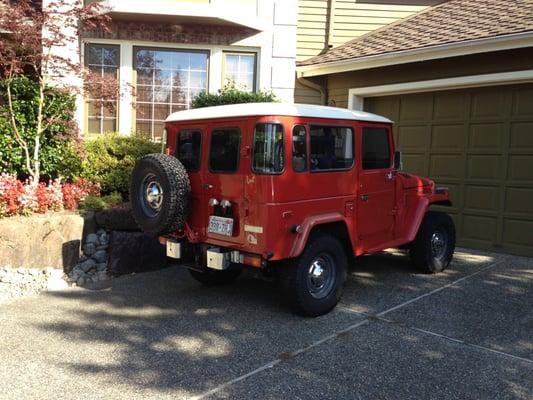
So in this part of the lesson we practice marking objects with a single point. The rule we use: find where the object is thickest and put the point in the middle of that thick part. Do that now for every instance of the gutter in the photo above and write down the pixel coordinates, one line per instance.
(467, 47)
(315, 86)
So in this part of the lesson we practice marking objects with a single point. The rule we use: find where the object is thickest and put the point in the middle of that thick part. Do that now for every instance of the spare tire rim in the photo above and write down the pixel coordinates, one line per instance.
(438, 242)
(151, 195)
(321, 276)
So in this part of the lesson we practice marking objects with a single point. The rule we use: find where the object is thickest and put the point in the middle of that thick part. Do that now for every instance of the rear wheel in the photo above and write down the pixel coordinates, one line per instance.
(313, 283)
(433, 248)
(211, 277)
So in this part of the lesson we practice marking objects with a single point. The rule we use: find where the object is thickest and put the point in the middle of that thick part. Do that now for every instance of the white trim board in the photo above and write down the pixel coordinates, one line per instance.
(356, 95)
(468, 47)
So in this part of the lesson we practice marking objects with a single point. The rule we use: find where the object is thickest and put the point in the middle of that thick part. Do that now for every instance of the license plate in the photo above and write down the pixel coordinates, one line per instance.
(220, 225)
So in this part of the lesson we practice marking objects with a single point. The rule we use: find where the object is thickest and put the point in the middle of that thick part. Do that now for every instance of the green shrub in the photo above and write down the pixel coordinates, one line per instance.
(59, 155)
(230, 94)
(96, 203)
(110, 159)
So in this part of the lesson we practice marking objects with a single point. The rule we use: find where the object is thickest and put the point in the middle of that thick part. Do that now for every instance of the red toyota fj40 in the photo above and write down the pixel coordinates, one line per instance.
(293, 189)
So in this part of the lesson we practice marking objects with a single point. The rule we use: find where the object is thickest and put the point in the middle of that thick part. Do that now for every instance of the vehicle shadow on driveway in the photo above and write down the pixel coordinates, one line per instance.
(163, 334)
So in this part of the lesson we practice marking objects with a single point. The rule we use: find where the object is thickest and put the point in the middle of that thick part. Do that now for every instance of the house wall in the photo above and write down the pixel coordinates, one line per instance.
(338, 85)
(324, 24)
(274, 44)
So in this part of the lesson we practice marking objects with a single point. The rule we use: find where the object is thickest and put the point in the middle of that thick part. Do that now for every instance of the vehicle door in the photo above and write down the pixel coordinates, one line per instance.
(376, 195)
(223, 181)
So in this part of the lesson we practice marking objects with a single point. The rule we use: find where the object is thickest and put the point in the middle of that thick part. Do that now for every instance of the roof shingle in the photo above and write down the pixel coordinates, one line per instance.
(450, 22)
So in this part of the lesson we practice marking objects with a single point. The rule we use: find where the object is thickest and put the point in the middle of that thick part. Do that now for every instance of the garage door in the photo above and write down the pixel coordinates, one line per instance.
(479, 143)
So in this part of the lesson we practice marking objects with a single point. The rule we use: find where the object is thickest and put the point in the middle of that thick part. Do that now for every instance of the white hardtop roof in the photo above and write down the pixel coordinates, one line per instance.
(286, 109)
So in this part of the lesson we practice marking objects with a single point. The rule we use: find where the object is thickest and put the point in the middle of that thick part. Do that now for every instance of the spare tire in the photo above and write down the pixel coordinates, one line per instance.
(160, 194)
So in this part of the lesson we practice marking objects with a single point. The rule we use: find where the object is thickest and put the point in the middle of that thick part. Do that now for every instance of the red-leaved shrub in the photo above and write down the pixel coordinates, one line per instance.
(24, 198)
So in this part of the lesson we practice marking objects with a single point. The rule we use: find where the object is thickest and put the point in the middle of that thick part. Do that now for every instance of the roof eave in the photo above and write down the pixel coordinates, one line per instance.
(496, 43)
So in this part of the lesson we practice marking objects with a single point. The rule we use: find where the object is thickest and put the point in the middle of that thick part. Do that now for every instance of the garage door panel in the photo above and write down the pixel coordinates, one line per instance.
(448, 137)
(413, 138)
(520, 168)
(476, 227)
(455, 190)
(388, 106)
(489, 104)
(522, 136)
(446, 166)
(486, 137)
(519, 200)
(416, 108)
(485, 167)
(523, 102)
(478, 142)
(481, 198)
(415, 163)
(518, 232)
(450, 106)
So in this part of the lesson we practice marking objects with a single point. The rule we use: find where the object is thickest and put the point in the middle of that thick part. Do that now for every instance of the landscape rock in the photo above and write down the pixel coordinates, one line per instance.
(135, 252)
(89, 249)
(100, 256)
(101, 267)
(39, 240)
(91, 238)
(87, 265)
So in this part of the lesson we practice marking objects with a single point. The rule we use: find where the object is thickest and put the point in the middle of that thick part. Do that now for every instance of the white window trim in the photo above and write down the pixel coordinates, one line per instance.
(214, 73)
(356, 96)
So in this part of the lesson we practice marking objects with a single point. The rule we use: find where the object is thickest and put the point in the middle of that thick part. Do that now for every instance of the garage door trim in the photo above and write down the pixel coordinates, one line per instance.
(356, 95)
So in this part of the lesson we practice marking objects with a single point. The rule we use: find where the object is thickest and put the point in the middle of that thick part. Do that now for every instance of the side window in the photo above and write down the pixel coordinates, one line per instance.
(269, 151)
(331, 147)
(188, 149)
(376, 148)
(224, 150)
(299, 148)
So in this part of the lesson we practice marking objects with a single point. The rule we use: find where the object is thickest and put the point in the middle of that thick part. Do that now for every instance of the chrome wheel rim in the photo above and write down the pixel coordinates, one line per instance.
(438, 242)
(321, 276)
(151, 195)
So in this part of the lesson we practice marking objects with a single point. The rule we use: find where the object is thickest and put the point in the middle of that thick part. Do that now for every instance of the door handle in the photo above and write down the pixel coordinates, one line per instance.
(208, 186)
(364, 197)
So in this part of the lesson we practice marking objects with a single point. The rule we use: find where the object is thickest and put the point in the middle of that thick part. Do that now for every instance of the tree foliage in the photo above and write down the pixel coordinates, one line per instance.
(231, 94)
(34, 42)
(59, 155)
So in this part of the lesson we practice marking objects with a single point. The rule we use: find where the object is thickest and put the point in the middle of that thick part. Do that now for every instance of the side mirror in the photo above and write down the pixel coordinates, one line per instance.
(398, 164)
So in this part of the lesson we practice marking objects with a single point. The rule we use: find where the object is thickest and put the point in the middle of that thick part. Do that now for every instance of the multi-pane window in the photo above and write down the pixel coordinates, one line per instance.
(103, 63)
(331, 147)
(167, 81)
(376, 148)
(239, 69)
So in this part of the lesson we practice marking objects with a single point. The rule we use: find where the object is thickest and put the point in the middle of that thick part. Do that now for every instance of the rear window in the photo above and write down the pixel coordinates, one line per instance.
(376, 148)
(269, 153)
(331, 148)
(188, 149)
(224, 150)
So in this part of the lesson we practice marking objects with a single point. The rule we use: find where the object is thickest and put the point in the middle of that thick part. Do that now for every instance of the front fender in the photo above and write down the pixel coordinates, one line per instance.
(420, 210)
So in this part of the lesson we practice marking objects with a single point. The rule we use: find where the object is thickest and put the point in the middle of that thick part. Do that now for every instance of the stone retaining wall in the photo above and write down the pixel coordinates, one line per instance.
(41, 241)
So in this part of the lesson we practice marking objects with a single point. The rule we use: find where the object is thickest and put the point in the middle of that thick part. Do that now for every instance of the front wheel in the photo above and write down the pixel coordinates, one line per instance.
(313, 283)
(433, 248)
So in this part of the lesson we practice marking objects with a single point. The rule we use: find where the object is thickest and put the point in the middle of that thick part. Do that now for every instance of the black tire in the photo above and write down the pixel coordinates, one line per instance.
(302, 289)
(433, 247)
(166, 212)
(211, 277)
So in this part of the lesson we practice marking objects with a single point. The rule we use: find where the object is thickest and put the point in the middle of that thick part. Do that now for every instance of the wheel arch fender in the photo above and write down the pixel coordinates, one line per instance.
(333, 223)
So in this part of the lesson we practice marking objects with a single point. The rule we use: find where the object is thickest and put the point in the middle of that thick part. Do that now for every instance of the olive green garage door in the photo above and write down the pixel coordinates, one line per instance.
(479, 143)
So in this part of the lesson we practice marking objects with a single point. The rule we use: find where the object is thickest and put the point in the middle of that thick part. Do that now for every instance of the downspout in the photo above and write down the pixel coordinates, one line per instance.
(315, 86)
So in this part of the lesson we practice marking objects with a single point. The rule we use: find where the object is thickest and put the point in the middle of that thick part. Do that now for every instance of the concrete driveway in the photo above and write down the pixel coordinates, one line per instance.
(463, 334)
